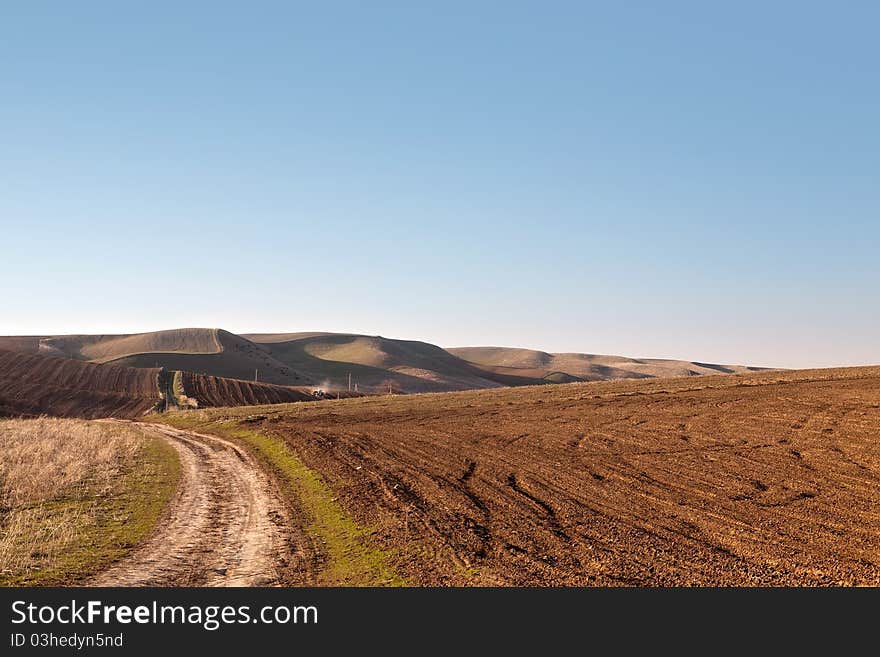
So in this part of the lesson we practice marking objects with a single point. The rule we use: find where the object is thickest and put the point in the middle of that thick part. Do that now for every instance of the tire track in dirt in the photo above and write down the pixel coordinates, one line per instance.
(226, 526)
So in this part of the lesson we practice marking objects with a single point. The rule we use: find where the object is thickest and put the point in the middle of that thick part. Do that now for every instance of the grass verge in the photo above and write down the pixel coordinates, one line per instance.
(351, 559)
(63, 533)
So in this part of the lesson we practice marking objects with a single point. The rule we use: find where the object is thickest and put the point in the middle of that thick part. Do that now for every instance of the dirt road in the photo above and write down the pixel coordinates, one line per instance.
(225, 527)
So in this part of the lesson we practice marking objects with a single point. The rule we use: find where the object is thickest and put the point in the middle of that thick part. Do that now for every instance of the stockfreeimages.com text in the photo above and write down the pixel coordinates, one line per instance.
(210, 617)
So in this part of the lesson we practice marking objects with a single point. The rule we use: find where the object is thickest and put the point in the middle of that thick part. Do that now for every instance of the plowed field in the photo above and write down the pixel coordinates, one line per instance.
(216, 391)
(36, 385)
(758, 479)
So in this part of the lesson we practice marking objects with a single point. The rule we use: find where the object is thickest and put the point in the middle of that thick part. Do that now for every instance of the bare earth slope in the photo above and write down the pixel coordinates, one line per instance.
(216, 391)
(25, 344)
(32, 385)
(767, 478)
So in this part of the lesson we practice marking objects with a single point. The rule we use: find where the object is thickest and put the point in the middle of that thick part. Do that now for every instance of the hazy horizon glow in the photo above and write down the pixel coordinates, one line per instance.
(678, 181)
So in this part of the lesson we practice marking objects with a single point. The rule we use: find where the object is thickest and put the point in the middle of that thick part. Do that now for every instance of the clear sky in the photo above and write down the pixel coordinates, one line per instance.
(682, 179)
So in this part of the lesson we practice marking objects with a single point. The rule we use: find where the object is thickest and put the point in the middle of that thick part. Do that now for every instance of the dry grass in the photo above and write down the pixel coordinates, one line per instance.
(75, 495)
(40, 458)
(186, 340)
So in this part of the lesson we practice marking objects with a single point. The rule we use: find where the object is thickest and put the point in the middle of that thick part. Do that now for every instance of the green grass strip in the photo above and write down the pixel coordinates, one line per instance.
(351, 557)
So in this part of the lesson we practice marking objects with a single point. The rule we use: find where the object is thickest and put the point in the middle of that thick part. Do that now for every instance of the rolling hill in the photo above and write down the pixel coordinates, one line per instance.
(378, 363)
(413, 366)
(586, 367)
(326, 360)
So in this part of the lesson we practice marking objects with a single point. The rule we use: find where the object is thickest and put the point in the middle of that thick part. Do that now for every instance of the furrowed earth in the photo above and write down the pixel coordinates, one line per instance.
(32, 385)
(757, 479)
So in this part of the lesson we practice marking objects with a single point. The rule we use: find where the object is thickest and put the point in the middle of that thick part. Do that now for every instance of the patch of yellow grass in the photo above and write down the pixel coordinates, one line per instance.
(76, 495)
(39, 458)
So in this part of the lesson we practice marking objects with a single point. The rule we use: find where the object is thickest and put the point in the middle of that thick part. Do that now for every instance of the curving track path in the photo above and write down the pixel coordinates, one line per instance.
(226, 525)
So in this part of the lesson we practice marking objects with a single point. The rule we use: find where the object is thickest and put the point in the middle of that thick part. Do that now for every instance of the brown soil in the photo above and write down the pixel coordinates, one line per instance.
(215, 391)
(758, 479)
(27, 344)
(32, 385)
(225, 527)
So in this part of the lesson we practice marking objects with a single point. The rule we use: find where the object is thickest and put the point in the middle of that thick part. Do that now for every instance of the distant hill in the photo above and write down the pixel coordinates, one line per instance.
(377, 363)
(326, 360)
(586, 367)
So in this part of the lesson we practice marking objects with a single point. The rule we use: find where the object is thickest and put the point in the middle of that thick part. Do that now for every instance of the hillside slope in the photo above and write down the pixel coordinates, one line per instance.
(327, 360)
(235, 358)
(378, 363)
(587, 367)
(106, 348)
(31, 385)
(216, 391)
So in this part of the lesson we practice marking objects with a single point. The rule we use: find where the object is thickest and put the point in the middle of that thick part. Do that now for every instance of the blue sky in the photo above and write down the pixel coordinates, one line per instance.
(649, 179)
